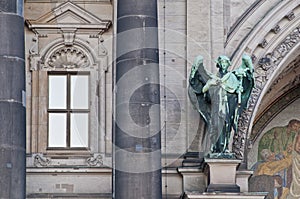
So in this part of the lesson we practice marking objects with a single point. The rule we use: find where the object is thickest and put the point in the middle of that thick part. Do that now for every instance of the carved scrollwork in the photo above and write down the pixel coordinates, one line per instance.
(68, 58)
(94, 161)
(264, 68)
(102, 50)
(40, 161)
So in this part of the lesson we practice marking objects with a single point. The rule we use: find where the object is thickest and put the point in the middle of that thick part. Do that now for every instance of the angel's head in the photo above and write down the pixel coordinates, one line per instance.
(223, 62)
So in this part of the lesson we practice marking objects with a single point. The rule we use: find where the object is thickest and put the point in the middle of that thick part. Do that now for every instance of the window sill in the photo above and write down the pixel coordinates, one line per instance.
(68, 152)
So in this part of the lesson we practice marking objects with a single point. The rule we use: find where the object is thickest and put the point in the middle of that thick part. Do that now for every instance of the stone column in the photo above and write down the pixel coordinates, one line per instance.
(12, 104)
(137, 145)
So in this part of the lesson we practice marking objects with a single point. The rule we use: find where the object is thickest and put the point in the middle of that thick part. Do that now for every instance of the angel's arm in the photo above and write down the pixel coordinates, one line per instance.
(211, 82)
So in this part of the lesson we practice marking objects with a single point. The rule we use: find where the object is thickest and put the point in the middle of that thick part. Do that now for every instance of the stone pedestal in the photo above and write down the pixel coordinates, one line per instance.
(194, 180)
(242, 178)
(222, 175)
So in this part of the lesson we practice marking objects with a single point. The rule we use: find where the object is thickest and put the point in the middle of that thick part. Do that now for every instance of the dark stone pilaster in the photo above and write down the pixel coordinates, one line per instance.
(137, 147)
(12, 111)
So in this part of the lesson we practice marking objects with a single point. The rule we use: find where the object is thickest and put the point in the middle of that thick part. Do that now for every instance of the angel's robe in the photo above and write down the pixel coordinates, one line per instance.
(224, 102)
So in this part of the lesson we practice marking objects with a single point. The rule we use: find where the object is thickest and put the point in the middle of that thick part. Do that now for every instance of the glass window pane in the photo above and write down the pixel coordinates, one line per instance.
(79, 129)
(79, 92)
(57, 130)
(57, 92)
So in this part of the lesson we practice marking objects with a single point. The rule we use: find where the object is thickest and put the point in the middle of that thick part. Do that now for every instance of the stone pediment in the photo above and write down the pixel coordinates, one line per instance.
(68, 16)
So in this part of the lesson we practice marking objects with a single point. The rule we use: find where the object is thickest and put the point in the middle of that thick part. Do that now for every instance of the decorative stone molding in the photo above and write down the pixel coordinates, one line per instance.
(34, 61)
(276, 29)
(102, 51)
(68, 19)
(263, 69)
(95, 161)
(34, 48)
(263, 43)
(69, 36)
(68, 58)
(276, 12)
(67, 16)
(290, 16)
(40, 160)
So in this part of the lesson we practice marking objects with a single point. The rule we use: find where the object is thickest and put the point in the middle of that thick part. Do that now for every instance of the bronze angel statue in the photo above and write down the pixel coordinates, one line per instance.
(220, 99)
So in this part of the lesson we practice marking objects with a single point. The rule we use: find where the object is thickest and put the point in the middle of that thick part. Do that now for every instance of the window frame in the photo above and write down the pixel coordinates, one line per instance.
(68, 110)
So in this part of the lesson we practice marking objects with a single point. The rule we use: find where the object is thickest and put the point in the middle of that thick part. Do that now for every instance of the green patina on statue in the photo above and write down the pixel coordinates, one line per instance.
(220, 99)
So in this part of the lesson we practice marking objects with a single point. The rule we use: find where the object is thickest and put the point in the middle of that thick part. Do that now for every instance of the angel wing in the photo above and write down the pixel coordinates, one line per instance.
(246, 76)
(198, 78)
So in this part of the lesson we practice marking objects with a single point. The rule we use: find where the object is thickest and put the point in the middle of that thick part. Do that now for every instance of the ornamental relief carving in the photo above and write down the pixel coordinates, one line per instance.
(68, 58)
(95, 160)
(40, 161)
(263, 70)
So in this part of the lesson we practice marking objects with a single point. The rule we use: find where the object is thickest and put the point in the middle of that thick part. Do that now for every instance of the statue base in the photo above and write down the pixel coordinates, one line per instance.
(246, 195)
(224, 188)
(222, 175)
(221, 155)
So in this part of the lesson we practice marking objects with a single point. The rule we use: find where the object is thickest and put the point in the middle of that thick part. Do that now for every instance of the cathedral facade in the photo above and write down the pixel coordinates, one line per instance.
(70, 59)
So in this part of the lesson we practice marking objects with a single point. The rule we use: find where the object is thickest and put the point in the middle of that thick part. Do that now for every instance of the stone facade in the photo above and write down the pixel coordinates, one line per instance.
(64, 37)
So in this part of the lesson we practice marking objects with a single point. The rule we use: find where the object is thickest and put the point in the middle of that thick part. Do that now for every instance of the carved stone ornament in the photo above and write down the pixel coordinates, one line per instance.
(68, 58)
(276, 29)
(69, 36)
(254, 58)
(263, 43)
(94, 161)
(34, 46)
(290, 16)
(264, 68)
(40, 160)
(102, 50)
